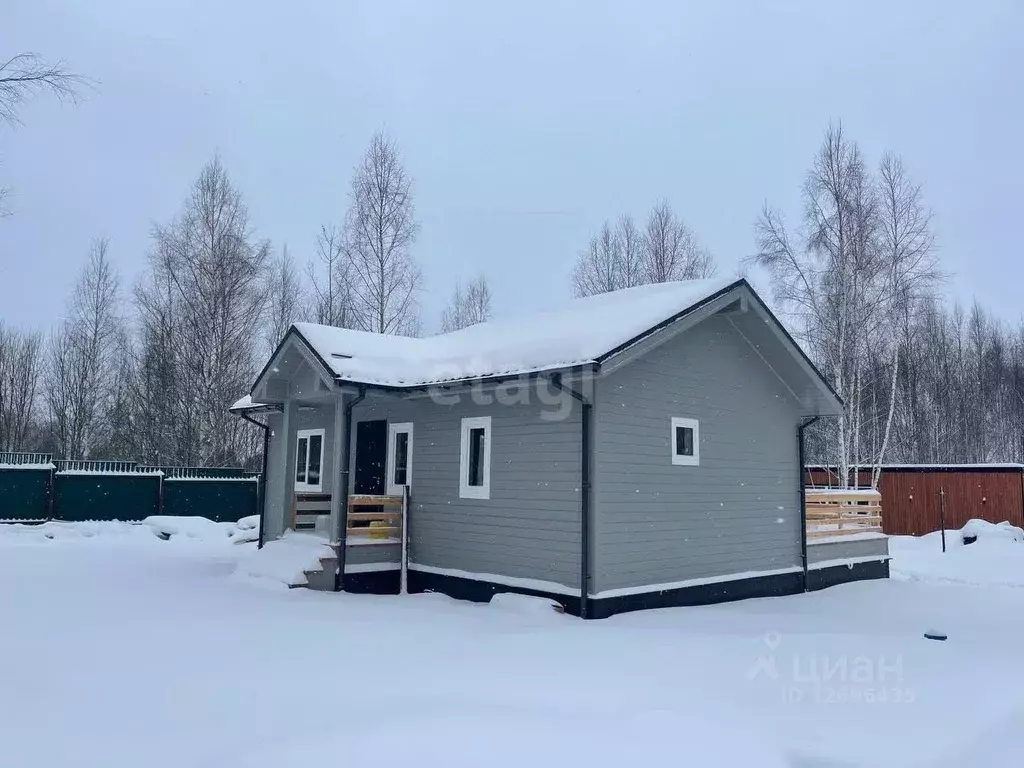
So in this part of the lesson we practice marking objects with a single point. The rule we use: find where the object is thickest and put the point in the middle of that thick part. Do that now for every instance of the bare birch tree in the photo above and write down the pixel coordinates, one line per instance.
(631, 252)
(159, 394)
(83, 355)
(20, 367)
(284, 299)
(623, 257)
(379, 232)
(911, 271)
(823, 284)
(670, 249)
(468, 307)
(331, 281)
(867, 261)
(216, 275)
(598, 269)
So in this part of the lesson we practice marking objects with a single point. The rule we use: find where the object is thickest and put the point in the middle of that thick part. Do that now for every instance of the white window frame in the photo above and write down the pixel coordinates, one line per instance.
(308, 434)
(404, 427)
(467, 491)
(682, 459)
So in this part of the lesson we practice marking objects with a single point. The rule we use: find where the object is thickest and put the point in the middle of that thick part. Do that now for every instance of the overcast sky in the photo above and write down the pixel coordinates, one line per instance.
(524, 126)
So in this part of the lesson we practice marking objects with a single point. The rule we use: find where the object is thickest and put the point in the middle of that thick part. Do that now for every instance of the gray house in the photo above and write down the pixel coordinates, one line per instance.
(636, 449)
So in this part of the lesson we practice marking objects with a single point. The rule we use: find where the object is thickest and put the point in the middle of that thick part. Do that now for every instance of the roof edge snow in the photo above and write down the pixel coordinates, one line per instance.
(584, 333)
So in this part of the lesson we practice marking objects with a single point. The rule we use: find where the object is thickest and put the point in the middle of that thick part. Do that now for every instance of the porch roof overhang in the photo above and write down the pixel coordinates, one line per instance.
(248, 406)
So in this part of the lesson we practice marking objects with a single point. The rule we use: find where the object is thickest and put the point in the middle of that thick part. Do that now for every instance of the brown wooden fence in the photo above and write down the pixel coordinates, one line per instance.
(912, 496)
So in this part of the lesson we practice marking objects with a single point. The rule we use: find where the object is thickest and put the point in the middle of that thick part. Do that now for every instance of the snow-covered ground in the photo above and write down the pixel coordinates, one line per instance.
(122, 649)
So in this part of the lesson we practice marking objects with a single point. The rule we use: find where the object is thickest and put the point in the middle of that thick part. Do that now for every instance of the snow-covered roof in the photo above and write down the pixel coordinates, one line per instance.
(244, 404)
(248, 405)
(577, 333)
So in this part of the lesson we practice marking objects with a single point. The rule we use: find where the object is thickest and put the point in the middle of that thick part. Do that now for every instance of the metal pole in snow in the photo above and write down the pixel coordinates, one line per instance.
(942, 516)
(403, 588)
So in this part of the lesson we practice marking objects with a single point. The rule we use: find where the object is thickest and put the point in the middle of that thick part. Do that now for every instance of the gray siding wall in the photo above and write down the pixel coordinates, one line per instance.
(837, 549)
(529, 528)
(273, 517)
(369, 554)
(655, 522)
(321, 416)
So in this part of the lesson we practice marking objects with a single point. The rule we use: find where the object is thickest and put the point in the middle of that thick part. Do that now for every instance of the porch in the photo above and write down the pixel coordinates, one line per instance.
(844, 527)
(374, 545)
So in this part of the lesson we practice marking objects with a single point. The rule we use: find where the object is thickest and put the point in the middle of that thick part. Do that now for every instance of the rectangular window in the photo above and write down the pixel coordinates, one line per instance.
(475, 458)
(300, 461)
(309, 460)
(399, 460)
(401, 471)
(685, 442)
(477, 437)
(316, 455)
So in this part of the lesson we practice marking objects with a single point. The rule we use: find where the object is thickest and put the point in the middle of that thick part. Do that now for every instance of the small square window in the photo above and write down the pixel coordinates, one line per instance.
(685, 442)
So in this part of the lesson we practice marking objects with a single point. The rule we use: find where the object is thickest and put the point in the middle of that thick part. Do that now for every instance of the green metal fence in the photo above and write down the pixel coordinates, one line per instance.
(75, 490)
(85, 495)
(225, 500)
(26, 481)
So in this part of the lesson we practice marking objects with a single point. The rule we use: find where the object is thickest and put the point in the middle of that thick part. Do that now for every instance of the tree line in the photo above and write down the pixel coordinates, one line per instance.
(859, 279)
(148, 372)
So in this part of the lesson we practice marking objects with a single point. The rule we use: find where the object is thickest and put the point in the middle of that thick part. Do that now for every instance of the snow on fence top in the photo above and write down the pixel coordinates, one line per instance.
(16, 460)
(122, 467)
(205, 473)
(577, 333)
(844, 492)
(88, 466)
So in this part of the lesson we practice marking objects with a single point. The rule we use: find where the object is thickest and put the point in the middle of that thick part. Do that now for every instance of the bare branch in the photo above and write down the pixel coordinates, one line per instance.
(26, 75)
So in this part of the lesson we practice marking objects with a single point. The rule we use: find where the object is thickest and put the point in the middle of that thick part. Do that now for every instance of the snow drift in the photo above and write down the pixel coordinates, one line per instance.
(156, 527)
(994, 558)
(976, 530)
(285, 560)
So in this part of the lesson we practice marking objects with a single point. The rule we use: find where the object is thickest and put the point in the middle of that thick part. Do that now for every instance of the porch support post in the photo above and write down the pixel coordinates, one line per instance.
(289, 420)
(338, 516)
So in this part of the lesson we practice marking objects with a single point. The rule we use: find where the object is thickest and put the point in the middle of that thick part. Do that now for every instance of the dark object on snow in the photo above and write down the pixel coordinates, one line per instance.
(969, 538)
(932, 635)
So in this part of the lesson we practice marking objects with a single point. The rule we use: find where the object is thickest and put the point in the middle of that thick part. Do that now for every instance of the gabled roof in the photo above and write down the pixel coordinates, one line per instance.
(582, 332)
(576, 333)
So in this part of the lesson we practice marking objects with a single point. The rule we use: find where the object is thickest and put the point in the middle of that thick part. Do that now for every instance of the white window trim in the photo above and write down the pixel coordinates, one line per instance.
(678, 459)
(309, 433)
(467, 491)
(405, 427)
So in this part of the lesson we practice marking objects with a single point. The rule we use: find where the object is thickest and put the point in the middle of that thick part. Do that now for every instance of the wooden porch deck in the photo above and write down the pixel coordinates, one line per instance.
(832, 513)
(369, 520)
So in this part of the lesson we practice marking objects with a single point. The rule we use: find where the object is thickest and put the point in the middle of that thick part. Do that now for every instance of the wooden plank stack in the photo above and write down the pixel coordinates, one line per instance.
(842, 513)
